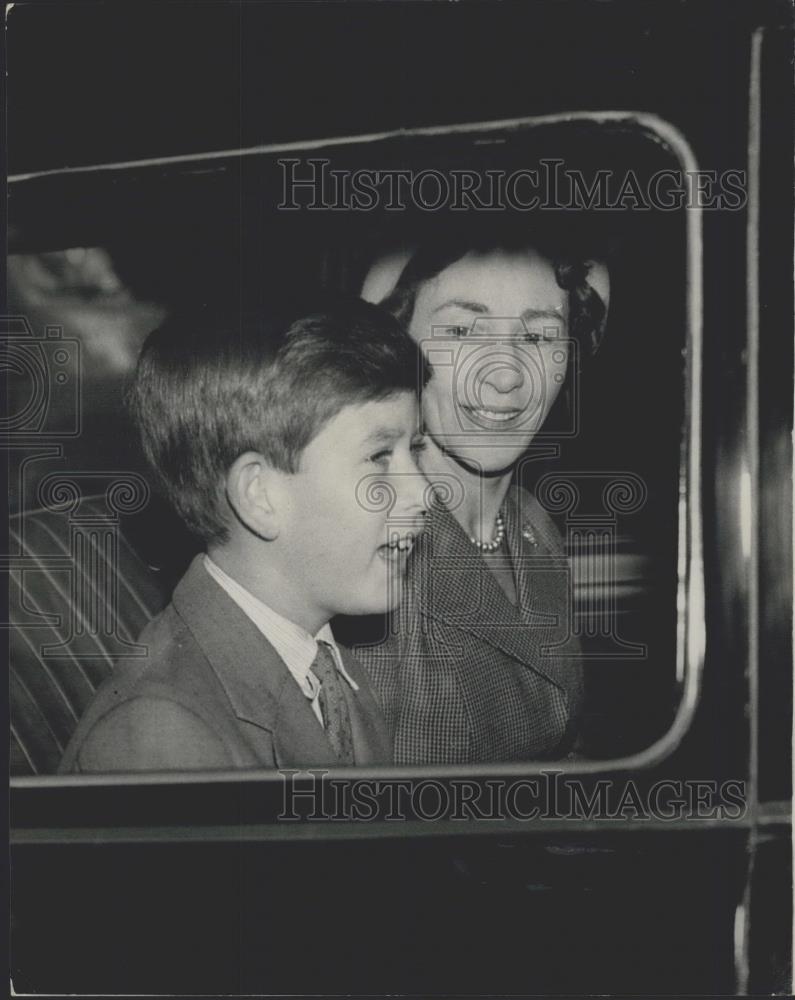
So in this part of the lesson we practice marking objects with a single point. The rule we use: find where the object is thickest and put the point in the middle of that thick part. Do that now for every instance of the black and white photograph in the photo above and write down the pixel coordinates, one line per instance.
(398, 438)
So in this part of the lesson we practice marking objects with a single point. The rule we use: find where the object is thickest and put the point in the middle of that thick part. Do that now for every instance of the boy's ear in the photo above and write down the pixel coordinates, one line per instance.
(252, 491)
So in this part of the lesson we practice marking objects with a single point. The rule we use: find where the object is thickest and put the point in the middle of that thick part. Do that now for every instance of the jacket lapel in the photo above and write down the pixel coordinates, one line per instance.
(532, 558)
(256, 681)
(457, 587)
(371, 742)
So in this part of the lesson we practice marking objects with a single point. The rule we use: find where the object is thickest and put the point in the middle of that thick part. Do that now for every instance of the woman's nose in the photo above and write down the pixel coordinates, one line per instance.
(504, 375)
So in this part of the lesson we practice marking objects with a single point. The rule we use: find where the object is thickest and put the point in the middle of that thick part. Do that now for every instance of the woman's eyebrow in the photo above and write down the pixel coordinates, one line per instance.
(476, 307)
(549, 313)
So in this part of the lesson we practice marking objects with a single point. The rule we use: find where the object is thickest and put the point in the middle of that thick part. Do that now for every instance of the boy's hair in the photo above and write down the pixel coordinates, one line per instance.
(210, 386)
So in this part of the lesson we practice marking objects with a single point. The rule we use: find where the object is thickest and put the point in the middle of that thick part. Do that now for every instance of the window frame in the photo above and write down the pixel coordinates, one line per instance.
(690, 594)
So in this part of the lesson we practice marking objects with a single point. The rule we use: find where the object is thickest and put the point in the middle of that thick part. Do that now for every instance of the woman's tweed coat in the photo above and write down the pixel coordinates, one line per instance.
(464, 676)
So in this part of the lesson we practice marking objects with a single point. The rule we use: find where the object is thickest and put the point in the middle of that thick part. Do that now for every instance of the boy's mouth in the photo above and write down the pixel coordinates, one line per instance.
(397, 549)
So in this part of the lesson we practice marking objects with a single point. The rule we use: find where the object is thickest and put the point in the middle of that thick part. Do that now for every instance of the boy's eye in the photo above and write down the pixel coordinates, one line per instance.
(418, 445)
(381, 457)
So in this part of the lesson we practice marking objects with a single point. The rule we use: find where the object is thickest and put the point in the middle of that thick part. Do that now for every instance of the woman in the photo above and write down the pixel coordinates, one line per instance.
(473, 667)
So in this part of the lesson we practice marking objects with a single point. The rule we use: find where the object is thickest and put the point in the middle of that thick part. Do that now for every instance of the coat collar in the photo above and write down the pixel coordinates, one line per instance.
(256, 681)
(456, 586)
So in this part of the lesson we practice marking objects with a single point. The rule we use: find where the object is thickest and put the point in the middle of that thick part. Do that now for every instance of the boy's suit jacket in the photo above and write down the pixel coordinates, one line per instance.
(464, 676)
(213, 693)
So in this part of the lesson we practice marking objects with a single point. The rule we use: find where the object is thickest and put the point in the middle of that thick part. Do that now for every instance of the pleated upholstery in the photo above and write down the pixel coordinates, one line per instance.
(79, 595)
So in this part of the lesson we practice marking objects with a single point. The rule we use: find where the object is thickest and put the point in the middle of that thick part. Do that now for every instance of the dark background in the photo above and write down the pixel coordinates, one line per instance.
(91, 83)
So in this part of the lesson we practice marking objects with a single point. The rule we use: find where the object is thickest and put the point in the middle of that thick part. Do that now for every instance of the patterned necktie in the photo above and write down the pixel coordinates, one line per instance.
(334, 707)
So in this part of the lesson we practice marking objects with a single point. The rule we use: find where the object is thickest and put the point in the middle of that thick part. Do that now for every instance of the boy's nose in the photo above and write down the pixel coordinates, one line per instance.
(411, 487)
(414, 490)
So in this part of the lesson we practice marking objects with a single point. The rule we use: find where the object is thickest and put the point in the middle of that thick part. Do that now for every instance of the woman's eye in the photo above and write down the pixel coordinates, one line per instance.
(550, 336)
(456, 331)
(419, 446)
(381, 457)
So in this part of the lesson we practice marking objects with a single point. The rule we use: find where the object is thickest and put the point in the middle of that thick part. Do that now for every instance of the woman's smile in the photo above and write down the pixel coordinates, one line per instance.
(500, 415)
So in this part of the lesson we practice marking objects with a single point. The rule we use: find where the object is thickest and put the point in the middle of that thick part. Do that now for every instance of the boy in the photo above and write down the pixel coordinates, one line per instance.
(273, 440)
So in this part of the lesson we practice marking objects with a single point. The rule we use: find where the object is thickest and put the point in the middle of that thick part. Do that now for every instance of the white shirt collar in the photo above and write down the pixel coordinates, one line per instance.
(294, 644)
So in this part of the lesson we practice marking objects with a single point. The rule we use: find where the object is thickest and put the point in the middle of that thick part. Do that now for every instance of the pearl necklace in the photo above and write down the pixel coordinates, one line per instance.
(496, 542)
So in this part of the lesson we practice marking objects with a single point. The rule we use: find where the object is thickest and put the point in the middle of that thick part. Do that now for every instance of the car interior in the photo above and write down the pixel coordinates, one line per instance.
(96, 551)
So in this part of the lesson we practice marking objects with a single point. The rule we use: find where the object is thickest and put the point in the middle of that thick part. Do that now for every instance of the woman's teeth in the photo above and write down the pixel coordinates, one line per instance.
(499, 415)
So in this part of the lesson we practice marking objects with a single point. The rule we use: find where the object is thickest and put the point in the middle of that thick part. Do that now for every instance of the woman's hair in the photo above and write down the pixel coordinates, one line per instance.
(587, 311)
(211, 385)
